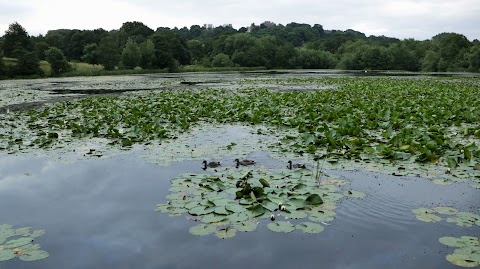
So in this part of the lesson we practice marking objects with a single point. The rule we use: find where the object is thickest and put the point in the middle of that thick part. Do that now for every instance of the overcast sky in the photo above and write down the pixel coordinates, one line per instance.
(419, 19)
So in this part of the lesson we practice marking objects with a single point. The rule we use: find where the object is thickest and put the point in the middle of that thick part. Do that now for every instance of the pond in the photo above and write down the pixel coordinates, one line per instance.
(105, 205)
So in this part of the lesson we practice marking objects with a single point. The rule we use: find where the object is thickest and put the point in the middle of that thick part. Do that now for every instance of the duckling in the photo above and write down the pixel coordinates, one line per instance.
(210, 164)
(296, 165)
(244, 162)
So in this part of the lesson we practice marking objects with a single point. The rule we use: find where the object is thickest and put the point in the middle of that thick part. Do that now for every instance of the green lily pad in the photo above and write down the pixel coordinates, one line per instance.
(354, 194)
(34, 255)
(226, 233)
(18, 242)
(461, 260)
(426, 217)
(201, 210)
(314, 199)
(246, 226)
(451, 241)
(211, 218)
(203, 229)
(445, 210)
(281, 227)
(444, 182)
(297, 214)
(6, 254)
(256, 210)
(309, 227)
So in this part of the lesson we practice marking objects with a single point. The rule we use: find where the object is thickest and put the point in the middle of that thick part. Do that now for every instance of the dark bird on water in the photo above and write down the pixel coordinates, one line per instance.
(295, 165)
(244, 162)
(210, 164)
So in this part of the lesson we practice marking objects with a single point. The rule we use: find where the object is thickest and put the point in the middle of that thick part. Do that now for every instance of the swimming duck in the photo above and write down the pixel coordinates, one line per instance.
(210, 164)
(244, 162)
(296, 165)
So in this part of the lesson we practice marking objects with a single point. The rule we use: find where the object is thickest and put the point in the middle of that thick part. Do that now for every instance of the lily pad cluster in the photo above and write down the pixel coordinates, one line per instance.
(235, 200)
(399, 121)
(463, 219)
(467, 250)
(19, 243)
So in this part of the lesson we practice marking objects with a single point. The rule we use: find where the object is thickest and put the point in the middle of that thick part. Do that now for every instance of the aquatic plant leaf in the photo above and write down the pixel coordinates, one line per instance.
(314, 199)
(422, 210)
(238, 217)
(246, 226)
(22, 231)
(203, 229)
(6, 254)
(235, 208)
(256, 210)
(18, 242)
(226, 233)
(296, 214)
(310, 227)
(460, 222)
(210, 218)
(444, 182)
(445, 210)
(452, 241)
(354, 194)
(34, 255)
(461, 260)
(281, 227)
(37, 233)
(201, 210)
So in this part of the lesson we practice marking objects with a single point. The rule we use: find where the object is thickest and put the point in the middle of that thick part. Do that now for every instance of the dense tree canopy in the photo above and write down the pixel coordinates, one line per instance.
(267, 45)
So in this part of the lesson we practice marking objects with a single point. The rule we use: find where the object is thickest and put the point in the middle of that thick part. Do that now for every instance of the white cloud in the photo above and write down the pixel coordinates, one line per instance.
(420, 19)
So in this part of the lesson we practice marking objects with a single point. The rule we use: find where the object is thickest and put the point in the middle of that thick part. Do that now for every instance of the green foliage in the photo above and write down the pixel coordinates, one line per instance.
(315, 59)
(3, 69)
(16, 39)
(109, 55)
(430, 61)
(57, 61)
(91, 54)
(168, 48)
(131, 55)
(27, 64)
(197, 49)
(147, 54)
(222, 60)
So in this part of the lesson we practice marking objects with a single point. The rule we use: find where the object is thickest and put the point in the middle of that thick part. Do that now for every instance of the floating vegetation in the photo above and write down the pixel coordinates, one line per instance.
(18, 243)
(467, 250)
(462, 219)
(235, 200)
(425, 127)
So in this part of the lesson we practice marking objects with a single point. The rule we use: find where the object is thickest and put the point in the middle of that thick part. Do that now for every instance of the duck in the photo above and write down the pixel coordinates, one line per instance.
(244, 162)
(296, 165)
(210, 164)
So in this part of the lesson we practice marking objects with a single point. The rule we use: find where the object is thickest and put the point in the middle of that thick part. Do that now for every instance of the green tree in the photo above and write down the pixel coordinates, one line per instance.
(474, 58)
(170, 47)
(138, 31)
(27, 63)
(197, 50)
(16, 38)
(131, 55)
(57, 61)
(90, 54)
(430, 61)
(316, 59)
(40, 49)
(109, 55)
(147, 54)
(222, 60)
(3, 69)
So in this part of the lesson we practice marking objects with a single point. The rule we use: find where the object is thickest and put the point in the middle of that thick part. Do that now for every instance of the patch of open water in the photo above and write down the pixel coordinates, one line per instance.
(99, 213)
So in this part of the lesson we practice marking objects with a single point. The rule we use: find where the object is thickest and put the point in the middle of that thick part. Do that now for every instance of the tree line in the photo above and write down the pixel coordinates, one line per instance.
(267, 45)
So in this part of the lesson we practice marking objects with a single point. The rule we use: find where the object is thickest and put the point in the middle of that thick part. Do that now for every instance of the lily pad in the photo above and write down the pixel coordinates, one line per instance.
(354, 194)
(281, 227)
(211, 218)
(461, 260)
(246, 226)
(445, 210)
(310, 227)
(226, 233)
(34, 255)
(6, 254)
(296, 214)
(203, 229)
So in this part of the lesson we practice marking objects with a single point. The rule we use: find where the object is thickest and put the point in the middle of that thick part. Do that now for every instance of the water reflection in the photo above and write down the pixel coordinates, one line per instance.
(100, 214)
